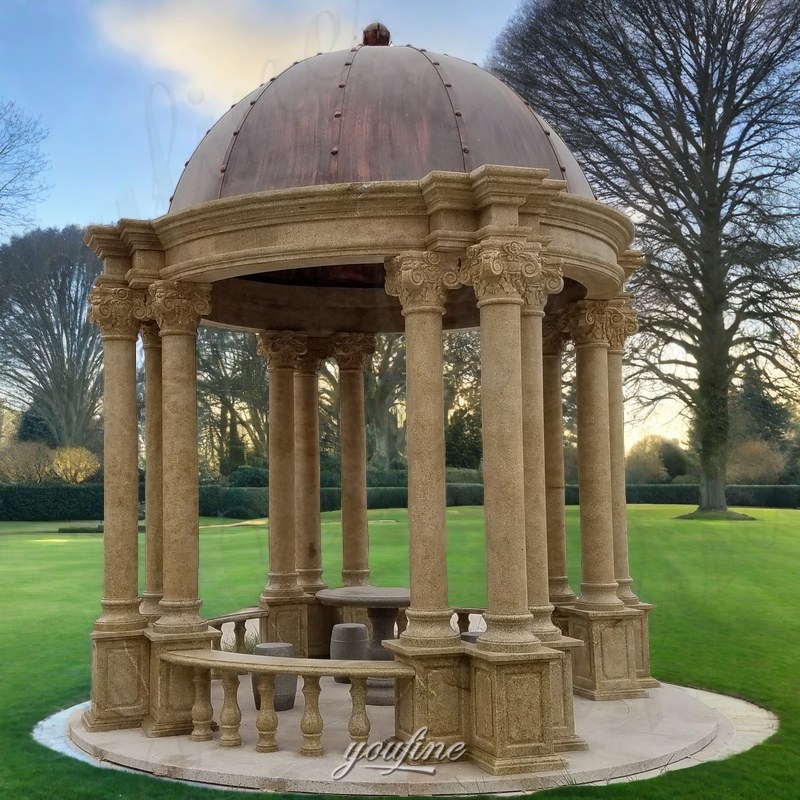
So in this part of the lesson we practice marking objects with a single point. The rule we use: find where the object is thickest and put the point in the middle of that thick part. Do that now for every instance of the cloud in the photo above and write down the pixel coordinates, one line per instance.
(217, 51)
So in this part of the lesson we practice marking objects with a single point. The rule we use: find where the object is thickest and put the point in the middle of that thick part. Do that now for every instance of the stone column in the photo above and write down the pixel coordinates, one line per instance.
(178, 308)
(351, 350)
(622, 325)
(420, 280)
(553, 341)
(283, 595)
(512, 725)
(116, 310)
(308, 545)
(153, 475)
(606, 667)
(119, 650)
(536, 292)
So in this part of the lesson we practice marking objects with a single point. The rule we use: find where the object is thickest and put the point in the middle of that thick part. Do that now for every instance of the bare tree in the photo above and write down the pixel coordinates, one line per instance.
(22, 163)
(50, 354)
(687, 114)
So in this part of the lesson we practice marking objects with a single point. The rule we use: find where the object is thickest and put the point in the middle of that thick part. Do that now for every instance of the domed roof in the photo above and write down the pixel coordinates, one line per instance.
(371, 114)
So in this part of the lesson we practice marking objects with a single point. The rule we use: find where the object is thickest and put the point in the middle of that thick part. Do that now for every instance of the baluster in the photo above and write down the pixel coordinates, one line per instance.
(239, 635)
(202, 711)
(463, 621)
(266, 719)
(216, 644)
(402, 621)
(311, 722)
(230, 716)
(358, 727)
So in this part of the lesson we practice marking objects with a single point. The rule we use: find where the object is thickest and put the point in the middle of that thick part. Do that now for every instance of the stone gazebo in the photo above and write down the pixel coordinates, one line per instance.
(378, 189)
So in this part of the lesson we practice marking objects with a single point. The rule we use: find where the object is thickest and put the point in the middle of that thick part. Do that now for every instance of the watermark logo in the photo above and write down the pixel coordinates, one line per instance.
(392, 756)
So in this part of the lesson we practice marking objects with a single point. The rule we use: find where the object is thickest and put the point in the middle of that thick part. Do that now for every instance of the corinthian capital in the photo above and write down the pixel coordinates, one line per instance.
(116, 309)
(352, 349)
(622, 322)
(588, 322)
(281, 349)
(420, 279)
(318, 349)
(498, 270)
(536, 290)
(177, 306)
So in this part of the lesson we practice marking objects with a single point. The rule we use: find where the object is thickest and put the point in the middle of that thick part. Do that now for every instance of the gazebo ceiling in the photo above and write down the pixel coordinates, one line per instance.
(371, 114)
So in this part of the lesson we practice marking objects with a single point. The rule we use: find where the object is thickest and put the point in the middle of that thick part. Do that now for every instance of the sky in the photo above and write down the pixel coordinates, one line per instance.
(127, 88)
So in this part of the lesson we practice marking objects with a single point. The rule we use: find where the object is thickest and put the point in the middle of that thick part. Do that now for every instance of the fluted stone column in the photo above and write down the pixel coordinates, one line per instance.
(553, 342)
(178, 308)
(622, 323)
(154, 509)
(420, 280)
(605, 668)
(536, 292)
(120, 673)
(116, 310)
(351, 350)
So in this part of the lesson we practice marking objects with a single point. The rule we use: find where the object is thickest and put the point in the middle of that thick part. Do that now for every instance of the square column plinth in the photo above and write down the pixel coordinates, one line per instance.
(120, 681)
(564, 734)
(172, 689)
(646, 680)
(605, 669)
(287, 621)
(320, 620)
(436, 698)
(511, 719)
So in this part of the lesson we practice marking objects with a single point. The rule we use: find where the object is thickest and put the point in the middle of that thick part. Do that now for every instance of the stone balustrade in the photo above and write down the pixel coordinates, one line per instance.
(239, 619)
(231, 665)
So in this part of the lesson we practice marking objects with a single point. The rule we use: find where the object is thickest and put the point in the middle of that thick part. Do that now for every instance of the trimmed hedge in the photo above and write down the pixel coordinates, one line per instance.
(48, 502)
(51, 501)
(249, 476)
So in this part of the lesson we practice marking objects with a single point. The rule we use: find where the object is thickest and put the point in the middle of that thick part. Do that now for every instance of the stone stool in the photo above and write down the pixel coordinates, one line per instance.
(349, 641)
(285, 685)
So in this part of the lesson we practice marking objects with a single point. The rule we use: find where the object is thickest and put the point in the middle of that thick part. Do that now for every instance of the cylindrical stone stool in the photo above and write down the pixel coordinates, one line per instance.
(349, 641)
(285, 685)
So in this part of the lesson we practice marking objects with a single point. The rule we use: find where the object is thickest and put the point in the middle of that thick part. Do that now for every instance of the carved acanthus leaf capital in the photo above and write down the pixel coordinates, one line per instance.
(150, 334)
(352, 349)
(588, 322)
(318, 349)
(282, 349)
(421, 279)
(499, 270)
(536, 290)
(623, 322)
(178, 307)
(116, 309)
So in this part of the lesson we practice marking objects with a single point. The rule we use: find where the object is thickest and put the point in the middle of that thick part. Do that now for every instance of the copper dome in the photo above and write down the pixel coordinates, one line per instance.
(371, 114)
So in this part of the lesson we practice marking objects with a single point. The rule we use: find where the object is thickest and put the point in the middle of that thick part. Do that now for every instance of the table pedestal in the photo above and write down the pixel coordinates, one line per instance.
(380, 691)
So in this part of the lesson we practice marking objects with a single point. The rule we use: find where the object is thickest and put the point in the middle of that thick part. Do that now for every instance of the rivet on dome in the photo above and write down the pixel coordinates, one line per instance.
(547, 133)
(563, 169)
(436, 64)
(348, 63)
(337, 114)
(270, 80)
(295, 63)
(465, 149)
(342, 85)
(448, 86)
(458, 113)
(236, 133)
(252, 102)
(334, 150)
(222, 169)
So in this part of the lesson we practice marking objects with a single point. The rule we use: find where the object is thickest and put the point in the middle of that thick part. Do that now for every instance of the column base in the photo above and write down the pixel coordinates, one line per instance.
(543, 627)
(564, 736)
(120, 681)
(625, 592)
(355, 577)
(437, 697)
(429, 629)
(120, 615)
(180, 617)
(511, 717)
(287, 621)
(508, 633)
(599, 597)
(172, 686)
(605, 669)
(560, 591)
(646, 680)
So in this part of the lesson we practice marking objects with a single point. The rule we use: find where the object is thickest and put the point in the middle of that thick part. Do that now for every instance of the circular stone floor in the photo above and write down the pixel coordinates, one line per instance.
(627, 740)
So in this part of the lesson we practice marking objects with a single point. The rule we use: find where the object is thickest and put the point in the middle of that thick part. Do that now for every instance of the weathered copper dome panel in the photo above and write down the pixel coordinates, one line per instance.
(371, 114)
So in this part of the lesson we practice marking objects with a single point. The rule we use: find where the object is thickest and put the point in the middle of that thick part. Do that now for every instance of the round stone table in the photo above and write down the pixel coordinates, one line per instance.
(382, 604)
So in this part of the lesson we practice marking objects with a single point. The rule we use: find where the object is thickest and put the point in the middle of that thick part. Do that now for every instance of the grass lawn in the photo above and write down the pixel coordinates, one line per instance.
(728, 618)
